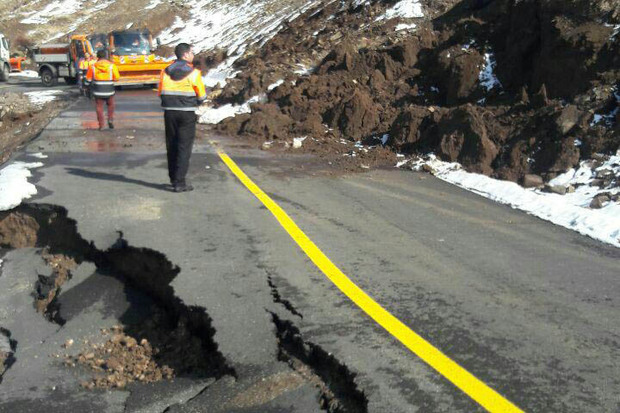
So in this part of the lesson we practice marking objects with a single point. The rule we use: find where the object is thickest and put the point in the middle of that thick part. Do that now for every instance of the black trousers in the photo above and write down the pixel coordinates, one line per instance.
(180, 134)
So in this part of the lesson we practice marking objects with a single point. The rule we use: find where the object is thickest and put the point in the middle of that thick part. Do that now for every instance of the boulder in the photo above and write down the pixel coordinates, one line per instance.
(532, 181)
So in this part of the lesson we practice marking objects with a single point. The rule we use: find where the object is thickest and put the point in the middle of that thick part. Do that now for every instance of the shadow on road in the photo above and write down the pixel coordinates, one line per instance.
(114, 177)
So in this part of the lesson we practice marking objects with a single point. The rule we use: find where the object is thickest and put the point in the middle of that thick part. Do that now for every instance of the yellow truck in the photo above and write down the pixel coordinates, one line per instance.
(132, 52)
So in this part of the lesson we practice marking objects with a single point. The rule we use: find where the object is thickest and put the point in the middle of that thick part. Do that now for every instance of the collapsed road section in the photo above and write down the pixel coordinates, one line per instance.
(156, 340)
(164, 340)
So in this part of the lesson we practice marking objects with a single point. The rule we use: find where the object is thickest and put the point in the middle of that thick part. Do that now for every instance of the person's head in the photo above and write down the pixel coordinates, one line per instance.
(101, 54)
(184, 51)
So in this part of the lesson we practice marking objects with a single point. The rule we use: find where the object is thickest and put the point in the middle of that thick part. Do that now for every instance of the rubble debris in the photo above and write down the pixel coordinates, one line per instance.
(435, 90)
(119, 361)
(49, 283)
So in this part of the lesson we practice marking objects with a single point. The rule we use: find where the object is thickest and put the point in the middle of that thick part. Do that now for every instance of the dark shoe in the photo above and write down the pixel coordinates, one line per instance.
(182, 188)
(111, 125)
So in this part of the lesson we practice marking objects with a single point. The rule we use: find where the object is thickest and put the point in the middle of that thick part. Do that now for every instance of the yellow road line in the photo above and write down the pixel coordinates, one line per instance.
(461, 378)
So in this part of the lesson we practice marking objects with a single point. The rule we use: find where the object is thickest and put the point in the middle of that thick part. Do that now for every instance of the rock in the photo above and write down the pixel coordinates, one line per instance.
(356, 116)
(457, 75)
(570, 189)
(599, 201)
(597, 182)
(462, 135)
(568, 118)
(532, 181)
(540, 99)
(555, 189)
(524, 98)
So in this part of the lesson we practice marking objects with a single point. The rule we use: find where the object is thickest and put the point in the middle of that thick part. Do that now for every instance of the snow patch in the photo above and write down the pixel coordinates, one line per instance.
(607, 119)
(152, 4)
(274, 85)
(569, 211)
(14, 185)
(56, 8)
(487, 77)
(303, 70)
(41, 97)
(402, 26)
(210, 115)
(25, 73)
(406, 9)
(37, 155)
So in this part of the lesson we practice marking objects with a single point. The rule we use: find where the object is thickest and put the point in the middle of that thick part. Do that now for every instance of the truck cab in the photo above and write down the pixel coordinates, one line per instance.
(5, 57)
(60, 60)
(133, 53)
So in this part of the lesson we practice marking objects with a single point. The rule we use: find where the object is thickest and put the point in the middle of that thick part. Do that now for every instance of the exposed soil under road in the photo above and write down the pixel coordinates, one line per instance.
(21, 120)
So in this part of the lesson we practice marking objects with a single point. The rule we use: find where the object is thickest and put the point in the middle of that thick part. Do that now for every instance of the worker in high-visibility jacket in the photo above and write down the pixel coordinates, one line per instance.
(82, 70)
(181, 90)
(101, 77)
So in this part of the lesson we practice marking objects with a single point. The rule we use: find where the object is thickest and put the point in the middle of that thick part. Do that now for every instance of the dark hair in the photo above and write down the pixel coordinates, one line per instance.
(101, 54)
(181, 49)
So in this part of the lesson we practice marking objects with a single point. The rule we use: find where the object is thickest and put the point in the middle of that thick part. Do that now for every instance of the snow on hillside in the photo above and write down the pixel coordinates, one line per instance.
(570, 210)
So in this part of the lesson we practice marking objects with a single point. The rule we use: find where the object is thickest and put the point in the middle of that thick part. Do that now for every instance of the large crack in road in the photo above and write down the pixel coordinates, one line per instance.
(169, 338)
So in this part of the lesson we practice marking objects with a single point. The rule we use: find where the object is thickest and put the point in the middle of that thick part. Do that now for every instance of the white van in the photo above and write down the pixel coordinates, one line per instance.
(5, 68)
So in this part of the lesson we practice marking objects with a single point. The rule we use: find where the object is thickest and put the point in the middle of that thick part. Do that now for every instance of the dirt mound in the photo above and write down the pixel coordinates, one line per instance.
(505, 88)
(21, 119)
(119, 361)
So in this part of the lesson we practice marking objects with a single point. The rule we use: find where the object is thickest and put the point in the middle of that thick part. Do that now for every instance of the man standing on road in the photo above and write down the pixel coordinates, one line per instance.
(101, 77)
(181, 90)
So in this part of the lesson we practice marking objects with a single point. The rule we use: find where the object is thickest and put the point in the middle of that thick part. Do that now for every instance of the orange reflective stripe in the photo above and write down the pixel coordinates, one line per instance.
(187, 84)
(199, 86)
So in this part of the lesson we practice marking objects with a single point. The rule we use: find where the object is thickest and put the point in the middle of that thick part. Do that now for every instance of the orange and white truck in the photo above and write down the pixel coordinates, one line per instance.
(60, 60)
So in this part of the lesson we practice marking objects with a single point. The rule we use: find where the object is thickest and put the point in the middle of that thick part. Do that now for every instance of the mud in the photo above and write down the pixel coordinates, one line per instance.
(548, 99)
(21, 121)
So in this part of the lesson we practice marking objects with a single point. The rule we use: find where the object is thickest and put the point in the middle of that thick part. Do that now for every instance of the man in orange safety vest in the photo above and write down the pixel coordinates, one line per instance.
(181, 90)
(101, 77)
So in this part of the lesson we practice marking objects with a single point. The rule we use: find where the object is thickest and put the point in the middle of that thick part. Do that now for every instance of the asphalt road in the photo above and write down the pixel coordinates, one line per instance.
(529, 308)
(18, 84)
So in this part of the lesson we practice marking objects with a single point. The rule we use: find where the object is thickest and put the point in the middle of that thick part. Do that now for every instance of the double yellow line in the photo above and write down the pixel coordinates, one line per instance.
(461, 378)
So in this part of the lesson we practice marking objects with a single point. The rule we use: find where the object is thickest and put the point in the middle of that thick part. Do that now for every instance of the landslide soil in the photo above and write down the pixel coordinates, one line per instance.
(21, 120)
(555, 101)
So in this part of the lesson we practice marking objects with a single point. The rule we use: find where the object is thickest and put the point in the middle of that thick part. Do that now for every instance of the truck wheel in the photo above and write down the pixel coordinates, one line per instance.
(47, 78)
(4, 73)
(70, 80)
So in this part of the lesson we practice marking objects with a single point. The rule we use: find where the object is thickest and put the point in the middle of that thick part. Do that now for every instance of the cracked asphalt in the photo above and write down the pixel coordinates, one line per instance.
(529, 308)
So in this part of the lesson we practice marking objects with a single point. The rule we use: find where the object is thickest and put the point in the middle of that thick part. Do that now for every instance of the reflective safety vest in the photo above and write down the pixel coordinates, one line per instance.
(83, 64)
(184, 94)
(102, 75)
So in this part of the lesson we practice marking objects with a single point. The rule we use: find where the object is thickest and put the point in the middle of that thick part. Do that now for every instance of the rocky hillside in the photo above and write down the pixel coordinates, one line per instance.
(506, 87)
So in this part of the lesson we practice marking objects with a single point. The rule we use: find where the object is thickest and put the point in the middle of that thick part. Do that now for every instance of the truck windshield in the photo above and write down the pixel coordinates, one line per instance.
(126, 44)
(98, 41)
